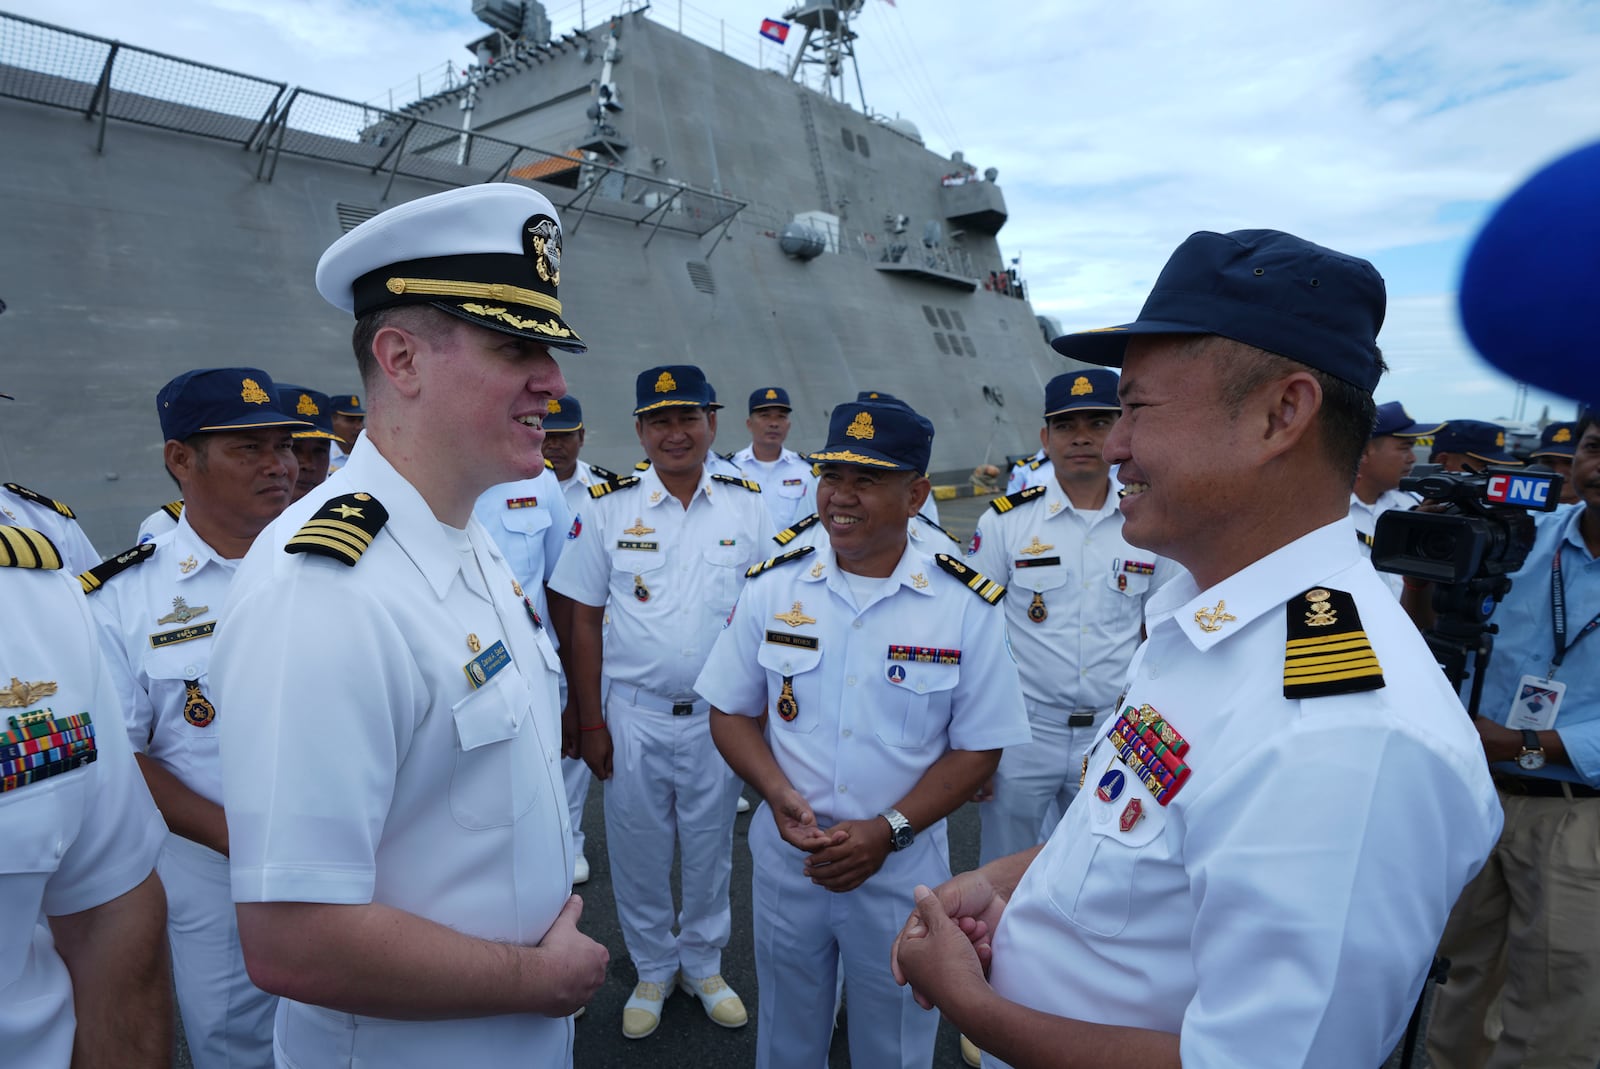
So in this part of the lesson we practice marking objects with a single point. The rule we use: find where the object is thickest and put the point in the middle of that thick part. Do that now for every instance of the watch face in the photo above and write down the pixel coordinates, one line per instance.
(1531, 761)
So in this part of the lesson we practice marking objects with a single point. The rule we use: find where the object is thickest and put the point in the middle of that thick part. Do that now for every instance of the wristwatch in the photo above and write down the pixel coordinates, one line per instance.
(1532, 756)
(900, 833)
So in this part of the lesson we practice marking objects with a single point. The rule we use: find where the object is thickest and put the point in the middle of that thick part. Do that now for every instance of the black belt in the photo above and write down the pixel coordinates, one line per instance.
(1080, 720)
(1538, 787)
(683, 708)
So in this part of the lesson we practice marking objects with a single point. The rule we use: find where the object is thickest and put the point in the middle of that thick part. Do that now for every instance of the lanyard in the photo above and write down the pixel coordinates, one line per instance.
(1558, 614)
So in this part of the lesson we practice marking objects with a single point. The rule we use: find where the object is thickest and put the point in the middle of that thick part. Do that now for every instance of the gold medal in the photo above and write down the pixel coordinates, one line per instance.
(1036, 610)
(640, 591)
(788, 708)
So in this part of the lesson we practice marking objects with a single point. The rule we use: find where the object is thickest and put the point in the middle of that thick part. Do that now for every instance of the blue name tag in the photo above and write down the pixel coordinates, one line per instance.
(485, 665)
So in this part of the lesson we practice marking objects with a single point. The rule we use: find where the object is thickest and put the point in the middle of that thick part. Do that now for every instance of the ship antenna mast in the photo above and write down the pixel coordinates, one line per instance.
(828, 41)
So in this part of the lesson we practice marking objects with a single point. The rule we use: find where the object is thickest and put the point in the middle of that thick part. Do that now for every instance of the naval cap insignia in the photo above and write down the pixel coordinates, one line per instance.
(552, 406)
(665, 383)
(861, 427)
(541, 242)
(1500, 439)
(306, 406)
(1563, 435)
(250, 391)
(771, 394)
(1080, 386)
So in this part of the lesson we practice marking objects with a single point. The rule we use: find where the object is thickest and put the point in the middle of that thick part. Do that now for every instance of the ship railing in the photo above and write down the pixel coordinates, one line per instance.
(104, 79)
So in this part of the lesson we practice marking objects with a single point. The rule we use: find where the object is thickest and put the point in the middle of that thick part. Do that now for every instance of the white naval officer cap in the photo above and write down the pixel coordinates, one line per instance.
(489, 254)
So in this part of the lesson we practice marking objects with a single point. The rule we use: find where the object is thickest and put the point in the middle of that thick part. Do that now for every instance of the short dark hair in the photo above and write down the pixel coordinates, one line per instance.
(1347, 415)
(1585, 421)
(419, 319)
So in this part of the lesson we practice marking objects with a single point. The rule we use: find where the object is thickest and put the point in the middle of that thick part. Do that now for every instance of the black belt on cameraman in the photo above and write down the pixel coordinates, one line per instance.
(1539, 787)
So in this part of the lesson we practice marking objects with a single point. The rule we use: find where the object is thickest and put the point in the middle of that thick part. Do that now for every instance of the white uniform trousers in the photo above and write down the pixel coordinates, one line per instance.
(669, 786)
(1035, 781)
(804, 933)
(227, 1020)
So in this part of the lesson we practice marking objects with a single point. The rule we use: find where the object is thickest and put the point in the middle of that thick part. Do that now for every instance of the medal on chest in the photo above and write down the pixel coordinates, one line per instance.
(787, 707)
(640, 591)
(197, 709)
(1036, 610)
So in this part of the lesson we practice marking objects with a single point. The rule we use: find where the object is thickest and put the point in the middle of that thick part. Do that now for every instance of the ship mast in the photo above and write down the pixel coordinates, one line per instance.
(828, 41)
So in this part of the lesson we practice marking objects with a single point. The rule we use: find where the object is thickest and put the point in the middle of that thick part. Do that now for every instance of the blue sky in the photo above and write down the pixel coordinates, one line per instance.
(1382, 129)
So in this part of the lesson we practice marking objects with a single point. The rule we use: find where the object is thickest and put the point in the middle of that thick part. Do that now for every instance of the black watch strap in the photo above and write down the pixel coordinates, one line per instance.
(1530, 741)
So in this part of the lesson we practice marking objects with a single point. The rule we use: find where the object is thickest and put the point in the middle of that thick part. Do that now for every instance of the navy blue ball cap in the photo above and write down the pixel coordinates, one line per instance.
(770, 397)
(1394, 419)
(871, 434)
(347, 404)
(489, 254)
(1264, 288)
(563, 414)
(313, 406)
(221, 399)
(1558, 440)
(1095, 388)
(671, 385)
(1474, 438)
(880, 396)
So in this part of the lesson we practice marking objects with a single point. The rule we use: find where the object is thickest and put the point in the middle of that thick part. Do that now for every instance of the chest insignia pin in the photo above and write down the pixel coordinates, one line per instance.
(787, 707)
(794, 617)
(640, 591)
(197, 709)
(1036, 610)
(20, 695)
(639, 528)
(473, 644)
(1034, 548)
(182, 613)
(1131, 815)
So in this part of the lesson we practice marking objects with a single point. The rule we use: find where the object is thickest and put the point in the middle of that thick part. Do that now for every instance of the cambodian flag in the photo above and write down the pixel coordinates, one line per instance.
(773, 30)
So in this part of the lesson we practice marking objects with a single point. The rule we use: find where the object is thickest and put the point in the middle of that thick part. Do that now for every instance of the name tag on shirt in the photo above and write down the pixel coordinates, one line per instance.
(182, 634)
(651, 546)
(780, 638)
(486, 665)
(1536, 704)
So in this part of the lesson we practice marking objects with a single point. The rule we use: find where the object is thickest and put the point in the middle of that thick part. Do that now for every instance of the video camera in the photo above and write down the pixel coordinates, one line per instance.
(1481, 529)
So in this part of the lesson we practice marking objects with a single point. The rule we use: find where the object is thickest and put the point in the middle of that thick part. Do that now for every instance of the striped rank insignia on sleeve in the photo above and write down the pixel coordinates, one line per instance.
(39, 499)
(977, 582)
(599, 490)
(342, 529)
(789, 534)
(754, 488)
(23, 547)
(781, 558)
(1011, 501)
(96, 577)
(173, 509)
(1327, 651)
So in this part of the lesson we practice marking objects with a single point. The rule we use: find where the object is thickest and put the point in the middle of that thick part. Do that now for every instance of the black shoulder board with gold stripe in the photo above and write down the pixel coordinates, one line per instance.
(1327, 651)
(602, 473)
(173, 509)
(1011, 501)
(938, 528)
(23, 547)
(96, 577)
(599, 490)
(789, 534)
(549, 465)
(980, 584)
(39, 499)
(754, 488)
(643, 465)
(341, 529)
(781, 558)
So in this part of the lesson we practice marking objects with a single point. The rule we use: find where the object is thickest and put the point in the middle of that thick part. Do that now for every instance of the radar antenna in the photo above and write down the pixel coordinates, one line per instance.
(828, 42)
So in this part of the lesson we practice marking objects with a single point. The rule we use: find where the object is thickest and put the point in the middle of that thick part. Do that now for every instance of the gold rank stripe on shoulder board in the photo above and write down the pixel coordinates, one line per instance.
(173, 509)
(599, 490)
(789, 534)
(96, 577)
(1327, 652)
(1011, 501)
(342, 529)
(23, 547)
(39, 499)
(781, 558)
(754, 488)
(977, 582)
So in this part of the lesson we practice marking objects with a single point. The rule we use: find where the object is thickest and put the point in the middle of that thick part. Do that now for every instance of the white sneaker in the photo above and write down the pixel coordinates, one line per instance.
(641, 1015)
(721, 1003)
(580, 870)
(743, 805)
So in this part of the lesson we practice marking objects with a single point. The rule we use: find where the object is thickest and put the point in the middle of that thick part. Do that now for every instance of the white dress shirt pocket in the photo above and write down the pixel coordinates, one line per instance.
(725, 566)
(485, 791)
(916, 708)
(798, 667)
(180, 691)
(1090, 883)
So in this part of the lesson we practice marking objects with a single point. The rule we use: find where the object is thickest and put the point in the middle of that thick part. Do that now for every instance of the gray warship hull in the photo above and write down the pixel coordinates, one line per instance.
(161, 215)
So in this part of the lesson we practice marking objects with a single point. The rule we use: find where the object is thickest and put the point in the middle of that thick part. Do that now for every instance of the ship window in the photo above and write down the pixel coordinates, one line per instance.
(944, 318)
(861, 144)
(972, 350)
(955, 315)
(944, 346)
(932, 319)
(849, 139)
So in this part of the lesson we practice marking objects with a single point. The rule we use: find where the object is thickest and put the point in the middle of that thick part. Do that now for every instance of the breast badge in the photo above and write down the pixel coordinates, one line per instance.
(20, 695)
(1036, 610)
(182, 612)
(897, 673)
(1131, 815)
(787, 707)
(197, 708)
(795, 616)
(639, 528)
(1111, 784)
(641, 592)
(1036, 547)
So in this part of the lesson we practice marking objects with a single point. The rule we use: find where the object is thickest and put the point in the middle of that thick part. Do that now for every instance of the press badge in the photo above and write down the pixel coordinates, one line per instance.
(1536, 704)
(485, 665)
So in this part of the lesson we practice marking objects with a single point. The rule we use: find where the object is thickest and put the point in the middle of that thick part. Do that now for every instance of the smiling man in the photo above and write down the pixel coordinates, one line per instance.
(1076, 606)
(787, 486)
(889, 694)
(1288, 799)
(662, 555)
(401, 860)
(229, 446)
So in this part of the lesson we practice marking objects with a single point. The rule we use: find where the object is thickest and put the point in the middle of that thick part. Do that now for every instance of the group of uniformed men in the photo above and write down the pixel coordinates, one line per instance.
(370, 841)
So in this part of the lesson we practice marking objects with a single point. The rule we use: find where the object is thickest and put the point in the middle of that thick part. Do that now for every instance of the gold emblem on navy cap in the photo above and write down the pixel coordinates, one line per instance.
(1081, 386)
(861, 427)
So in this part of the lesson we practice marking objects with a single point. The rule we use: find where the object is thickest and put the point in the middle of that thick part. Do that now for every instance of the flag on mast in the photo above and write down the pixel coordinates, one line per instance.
(774, 30)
